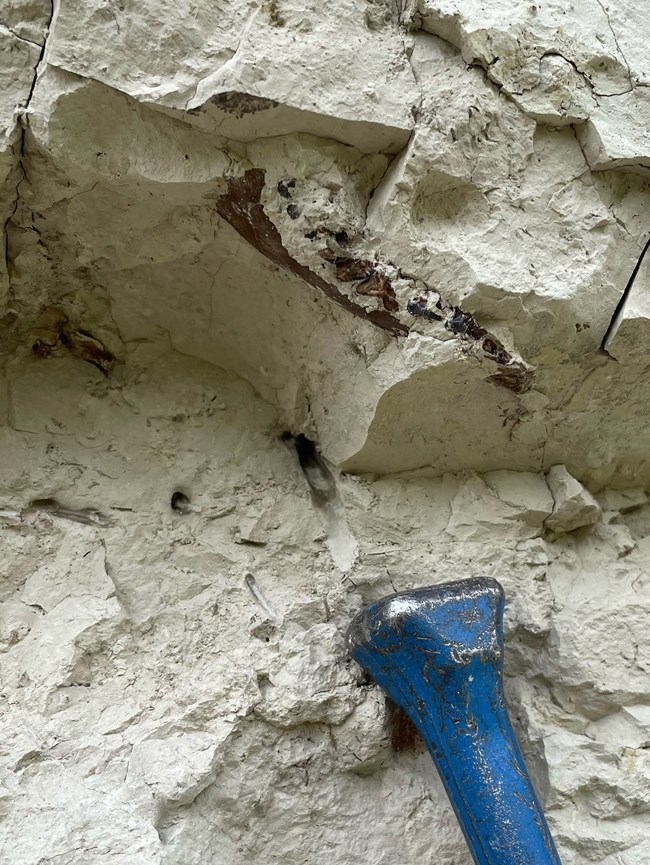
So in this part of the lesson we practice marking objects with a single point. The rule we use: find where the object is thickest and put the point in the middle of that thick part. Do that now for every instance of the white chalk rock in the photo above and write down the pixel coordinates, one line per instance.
(362, 741)
(622, 501)
(287, 522)
(513, 503)
(249, 72)
(58, 645)
(560, 67)
(574, 506)
(179, 767)
(629, 728)
(404, 230)
(528, 493)
(78, 568)
(16, 621)
(310, 681)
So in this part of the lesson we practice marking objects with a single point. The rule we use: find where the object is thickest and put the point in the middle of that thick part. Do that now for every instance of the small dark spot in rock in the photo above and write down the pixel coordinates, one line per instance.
(461, 322)
(180, 502)
(84, 346)
(293, 210)
(390, 302)
(516, 378)
(311, 235)
(187, 156)
(317, 474)
(240, 104)
(375, 286)
(285, 187)
(341, 237)
(418, 307)
(458, 321)
(496, 351)
(328, 254)
(379, 285)
(351, 269)
(582, 326)
(276, 19)
(42, 349)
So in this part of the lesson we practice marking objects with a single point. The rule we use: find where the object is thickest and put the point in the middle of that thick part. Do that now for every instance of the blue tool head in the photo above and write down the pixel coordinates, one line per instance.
(438, 654)
(454, 623)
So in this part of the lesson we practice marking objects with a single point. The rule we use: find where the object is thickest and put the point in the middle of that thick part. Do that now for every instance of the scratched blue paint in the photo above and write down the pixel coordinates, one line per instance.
(438, 654)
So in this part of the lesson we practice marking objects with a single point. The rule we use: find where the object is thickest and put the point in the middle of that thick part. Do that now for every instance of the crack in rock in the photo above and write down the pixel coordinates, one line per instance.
(22, 123)
(620, 306)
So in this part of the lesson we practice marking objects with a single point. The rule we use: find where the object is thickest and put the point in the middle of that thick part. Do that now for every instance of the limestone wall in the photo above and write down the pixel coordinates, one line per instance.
(303, 304)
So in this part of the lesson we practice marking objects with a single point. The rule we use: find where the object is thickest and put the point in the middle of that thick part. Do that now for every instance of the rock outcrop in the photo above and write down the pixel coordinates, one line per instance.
(302, 304)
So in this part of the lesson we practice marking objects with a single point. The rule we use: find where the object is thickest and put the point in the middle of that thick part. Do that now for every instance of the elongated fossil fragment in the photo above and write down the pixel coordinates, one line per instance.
(438, 654)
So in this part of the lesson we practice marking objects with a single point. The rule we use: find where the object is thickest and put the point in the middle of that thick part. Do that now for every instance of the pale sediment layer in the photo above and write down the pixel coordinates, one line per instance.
(302, 305)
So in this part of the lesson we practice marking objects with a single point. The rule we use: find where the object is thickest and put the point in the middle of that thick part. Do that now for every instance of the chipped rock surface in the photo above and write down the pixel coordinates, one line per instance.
(302, 304)
(573, 505)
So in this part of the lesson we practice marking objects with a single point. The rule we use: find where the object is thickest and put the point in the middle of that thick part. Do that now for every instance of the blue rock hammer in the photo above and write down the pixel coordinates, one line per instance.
(438, 654)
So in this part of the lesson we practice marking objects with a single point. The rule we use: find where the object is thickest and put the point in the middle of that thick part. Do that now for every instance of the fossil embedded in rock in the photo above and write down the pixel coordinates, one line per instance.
(87, 516)
(256, 592)
(88, 348)
(351, 269)
(378, 285)
(421, 307)
(461, 322)
(285, 186)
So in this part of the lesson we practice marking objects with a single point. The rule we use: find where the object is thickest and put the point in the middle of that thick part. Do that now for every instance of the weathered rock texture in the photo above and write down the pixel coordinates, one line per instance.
(304, 303)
